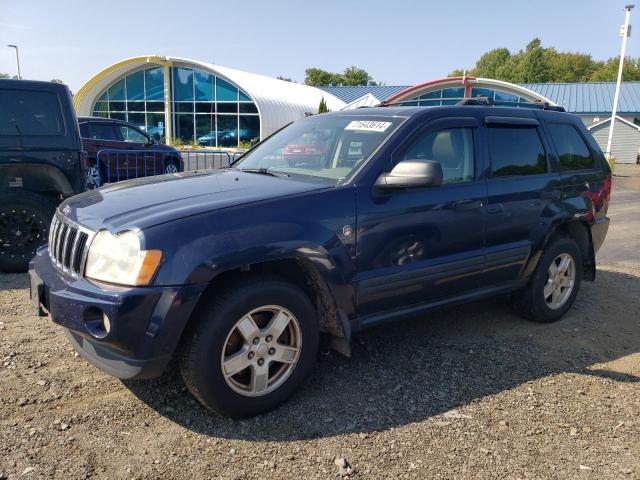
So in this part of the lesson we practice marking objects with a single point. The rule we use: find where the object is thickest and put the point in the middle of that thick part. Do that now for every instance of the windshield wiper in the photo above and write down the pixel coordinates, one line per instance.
(264, 171)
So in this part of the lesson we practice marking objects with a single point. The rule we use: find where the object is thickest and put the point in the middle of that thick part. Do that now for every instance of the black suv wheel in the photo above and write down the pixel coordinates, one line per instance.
(24, 225)
(250, 347)
(555, 283)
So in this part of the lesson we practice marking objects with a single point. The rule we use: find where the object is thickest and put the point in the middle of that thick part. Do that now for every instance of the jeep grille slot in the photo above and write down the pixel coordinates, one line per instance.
(67, 245)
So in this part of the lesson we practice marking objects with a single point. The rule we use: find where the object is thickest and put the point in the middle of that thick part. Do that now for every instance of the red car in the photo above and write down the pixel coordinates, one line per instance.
(309, 151)
(127, 151)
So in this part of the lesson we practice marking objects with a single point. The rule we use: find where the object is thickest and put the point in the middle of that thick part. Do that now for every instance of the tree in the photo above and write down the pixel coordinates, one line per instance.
(285, 79)
(317, 77)
(5, 75)
(491, 63)
(539, 64)
(56, 80)
(322, 108)
(356, 76)
(608, 71)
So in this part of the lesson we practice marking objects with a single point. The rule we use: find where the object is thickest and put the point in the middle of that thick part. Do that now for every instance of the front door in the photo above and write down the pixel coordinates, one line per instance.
(419, 246)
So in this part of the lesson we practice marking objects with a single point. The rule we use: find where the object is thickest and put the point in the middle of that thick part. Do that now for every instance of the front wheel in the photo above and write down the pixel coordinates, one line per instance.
(250, 347)
(554, 284)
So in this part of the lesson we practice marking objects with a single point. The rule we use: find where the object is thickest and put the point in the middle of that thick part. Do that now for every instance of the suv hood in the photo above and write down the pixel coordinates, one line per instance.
(149, 201)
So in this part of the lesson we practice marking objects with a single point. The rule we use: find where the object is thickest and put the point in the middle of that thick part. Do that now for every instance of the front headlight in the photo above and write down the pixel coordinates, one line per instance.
(119, 259)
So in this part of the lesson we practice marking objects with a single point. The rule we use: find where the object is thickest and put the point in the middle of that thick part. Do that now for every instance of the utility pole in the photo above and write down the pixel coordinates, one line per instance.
(17, 60)
(625, 32)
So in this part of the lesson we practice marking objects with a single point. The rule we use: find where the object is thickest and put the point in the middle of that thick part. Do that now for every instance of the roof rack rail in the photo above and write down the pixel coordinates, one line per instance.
(486, 101)
(479, 100)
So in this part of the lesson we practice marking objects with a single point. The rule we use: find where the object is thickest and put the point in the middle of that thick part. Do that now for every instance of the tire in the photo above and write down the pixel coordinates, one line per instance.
(171, 165)
(214, 338)
(24, 225)
(532, 302)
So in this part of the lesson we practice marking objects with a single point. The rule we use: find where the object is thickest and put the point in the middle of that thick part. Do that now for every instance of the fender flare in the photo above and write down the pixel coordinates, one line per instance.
(36, 177)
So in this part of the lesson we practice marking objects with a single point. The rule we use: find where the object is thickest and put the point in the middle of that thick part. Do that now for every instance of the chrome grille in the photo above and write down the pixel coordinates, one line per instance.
(68, 245)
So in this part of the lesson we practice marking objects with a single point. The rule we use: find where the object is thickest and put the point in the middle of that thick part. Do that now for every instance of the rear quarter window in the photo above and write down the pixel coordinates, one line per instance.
(573, 153)
(30, 113)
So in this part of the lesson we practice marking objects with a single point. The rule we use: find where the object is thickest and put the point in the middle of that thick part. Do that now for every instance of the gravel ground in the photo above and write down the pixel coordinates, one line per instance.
(469, 392)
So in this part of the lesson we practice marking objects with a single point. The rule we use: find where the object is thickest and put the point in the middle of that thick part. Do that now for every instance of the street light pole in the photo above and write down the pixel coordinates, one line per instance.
(17, 60)
(625, 32)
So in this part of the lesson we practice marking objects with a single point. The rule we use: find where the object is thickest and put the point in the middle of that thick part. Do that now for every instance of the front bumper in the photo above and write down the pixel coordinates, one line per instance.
(145, 322)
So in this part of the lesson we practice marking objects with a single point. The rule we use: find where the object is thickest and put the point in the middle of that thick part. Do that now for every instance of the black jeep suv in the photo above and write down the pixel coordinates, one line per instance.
(238, 271)
(41, 163)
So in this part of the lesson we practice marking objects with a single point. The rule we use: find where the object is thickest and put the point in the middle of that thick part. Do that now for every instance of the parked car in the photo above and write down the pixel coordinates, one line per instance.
(224, 138)
(128, 151)
(238, 272)
(309, 149)
(41, 162)
(211, 138)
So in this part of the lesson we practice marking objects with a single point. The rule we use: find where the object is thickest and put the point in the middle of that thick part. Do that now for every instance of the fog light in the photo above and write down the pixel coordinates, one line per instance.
(97, 322)
(106, 322)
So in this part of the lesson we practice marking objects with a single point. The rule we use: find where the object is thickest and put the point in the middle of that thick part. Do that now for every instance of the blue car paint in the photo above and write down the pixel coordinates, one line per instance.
(480, 238)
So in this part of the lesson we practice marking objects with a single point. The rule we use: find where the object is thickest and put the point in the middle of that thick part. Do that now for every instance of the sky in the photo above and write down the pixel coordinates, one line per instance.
(398, 42)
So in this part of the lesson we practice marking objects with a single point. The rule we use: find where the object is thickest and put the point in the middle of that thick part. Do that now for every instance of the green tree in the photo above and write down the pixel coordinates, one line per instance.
(56, 80)
(5, 75)
(317, 77)
(285, 79)
(322, 108)
(608, 71)
(539, 64)
(491, 64)
(356, 76)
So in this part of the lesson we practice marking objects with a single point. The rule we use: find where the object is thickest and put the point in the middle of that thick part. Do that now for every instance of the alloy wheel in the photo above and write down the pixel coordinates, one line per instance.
(261, 351)
(561, 278)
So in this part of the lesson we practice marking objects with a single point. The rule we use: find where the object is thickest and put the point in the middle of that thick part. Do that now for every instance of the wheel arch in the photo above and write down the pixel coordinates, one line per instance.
(303, 272)
(580, 232)
(36, 178)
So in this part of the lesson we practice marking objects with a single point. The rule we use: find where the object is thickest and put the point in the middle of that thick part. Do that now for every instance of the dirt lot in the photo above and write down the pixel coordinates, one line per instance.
(469, 392)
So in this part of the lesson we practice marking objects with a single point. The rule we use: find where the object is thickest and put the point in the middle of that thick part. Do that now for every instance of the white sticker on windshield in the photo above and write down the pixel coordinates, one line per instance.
(368, 126)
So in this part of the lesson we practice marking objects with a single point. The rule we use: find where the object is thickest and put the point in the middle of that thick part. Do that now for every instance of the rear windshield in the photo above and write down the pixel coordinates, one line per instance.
(326, 147)
(26, 112)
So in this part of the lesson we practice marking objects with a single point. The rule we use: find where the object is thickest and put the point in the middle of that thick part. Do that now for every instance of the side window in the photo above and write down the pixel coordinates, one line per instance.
(103, 131)
(25, 112)
(452, 148)
(572, 151)
(132, 135)
(516, 151)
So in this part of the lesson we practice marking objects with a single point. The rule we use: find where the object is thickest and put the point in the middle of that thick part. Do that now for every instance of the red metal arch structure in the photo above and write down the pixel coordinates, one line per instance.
(424, 93)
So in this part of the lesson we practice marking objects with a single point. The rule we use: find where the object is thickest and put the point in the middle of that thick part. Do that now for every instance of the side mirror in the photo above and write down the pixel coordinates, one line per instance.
(410, 174)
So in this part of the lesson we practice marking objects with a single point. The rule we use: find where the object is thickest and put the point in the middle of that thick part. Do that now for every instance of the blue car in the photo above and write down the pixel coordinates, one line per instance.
(238, 272)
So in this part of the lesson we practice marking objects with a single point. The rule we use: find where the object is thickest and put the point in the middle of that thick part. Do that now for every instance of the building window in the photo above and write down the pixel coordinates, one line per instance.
(206, 109)
(452, 95)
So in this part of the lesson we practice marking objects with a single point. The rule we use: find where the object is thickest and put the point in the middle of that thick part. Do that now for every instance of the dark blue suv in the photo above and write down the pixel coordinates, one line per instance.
(238, 272)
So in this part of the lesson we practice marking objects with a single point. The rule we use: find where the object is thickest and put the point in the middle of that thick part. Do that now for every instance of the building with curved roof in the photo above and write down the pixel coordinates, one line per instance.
(173, 97)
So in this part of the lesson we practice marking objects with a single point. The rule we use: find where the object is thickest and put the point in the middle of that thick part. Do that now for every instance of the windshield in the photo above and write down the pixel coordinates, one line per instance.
(323, 147)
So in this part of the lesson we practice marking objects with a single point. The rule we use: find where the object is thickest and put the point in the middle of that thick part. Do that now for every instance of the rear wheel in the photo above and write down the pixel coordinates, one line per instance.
(24, 225)
(251, 346)
(555, 283)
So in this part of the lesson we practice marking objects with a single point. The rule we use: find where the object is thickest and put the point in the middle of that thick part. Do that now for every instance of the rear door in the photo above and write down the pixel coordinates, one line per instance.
(520, 187)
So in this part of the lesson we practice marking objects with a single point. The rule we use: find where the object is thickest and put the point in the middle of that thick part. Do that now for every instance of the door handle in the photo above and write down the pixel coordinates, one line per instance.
(553, 194)
(467, 205)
